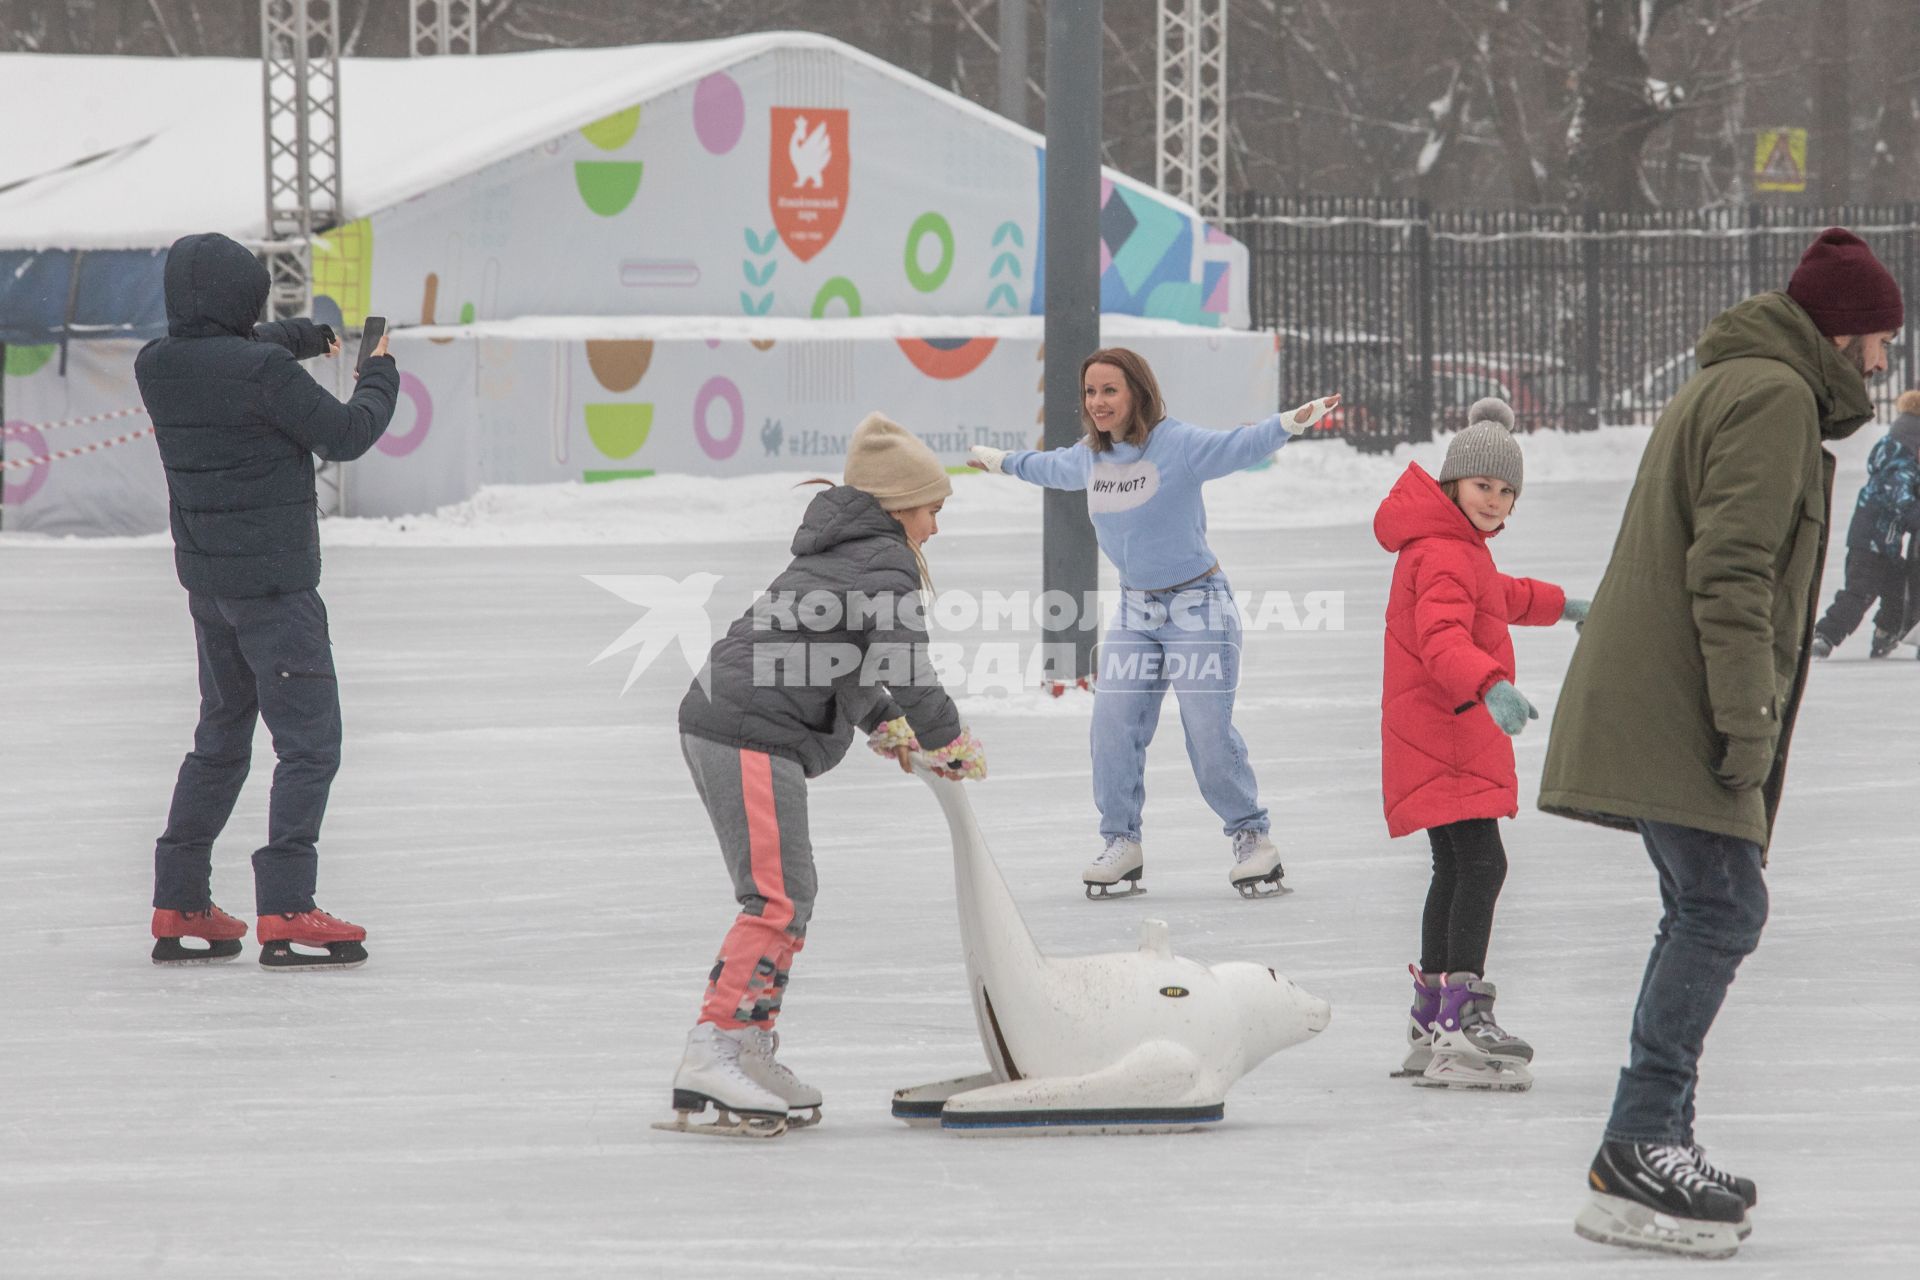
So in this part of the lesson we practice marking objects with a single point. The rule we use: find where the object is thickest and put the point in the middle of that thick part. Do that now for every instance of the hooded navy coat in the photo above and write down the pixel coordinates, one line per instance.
(238, 422)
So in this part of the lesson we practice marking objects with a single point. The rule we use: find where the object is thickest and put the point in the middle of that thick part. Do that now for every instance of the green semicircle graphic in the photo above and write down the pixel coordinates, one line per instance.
(608, 186)
(609, 133)
(618, 430)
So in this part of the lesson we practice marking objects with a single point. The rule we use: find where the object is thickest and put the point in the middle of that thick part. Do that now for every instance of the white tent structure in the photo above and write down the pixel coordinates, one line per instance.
(604, 263)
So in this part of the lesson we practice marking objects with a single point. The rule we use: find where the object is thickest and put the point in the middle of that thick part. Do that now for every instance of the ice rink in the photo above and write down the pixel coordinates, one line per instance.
(544, 898)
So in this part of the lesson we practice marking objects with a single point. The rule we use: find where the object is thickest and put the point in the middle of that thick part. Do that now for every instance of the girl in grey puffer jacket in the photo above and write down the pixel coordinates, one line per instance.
(838, 640)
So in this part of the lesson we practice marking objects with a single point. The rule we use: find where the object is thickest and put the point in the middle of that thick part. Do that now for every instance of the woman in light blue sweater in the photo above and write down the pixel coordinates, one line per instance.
(1177, 627)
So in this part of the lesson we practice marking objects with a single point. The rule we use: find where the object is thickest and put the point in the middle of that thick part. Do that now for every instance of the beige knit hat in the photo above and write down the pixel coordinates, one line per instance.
(1485, 446)
(894, 465)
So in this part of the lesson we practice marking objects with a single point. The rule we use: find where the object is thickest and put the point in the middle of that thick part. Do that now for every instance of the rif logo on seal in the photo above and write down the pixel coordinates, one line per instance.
(1175, 992)
(807, 176)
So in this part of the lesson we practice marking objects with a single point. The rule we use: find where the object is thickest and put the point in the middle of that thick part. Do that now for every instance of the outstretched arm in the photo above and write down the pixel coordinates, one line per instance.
(1212, 454)
(1531, 602)
(1066, 468)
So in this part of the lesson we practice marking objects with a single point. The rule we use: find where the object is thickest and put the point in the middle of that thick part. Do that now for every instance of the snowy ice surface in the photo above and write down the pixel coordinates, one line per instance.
(544, 899)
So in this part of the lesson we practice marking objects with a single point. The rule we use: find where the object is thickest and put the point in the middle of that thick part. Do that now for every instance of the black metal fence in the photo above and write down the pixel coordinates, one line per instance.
(1574, 318)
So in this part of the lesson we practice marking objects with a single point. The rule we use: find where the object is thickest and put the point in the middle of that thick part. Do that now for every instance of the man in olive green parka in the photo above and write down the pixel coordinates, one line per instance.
(1679, 702)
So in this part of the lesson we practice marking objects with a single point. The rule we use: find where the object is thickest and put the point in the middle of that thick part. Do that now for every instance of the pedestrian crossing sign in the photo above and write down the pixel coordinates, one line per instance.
(1780, 160)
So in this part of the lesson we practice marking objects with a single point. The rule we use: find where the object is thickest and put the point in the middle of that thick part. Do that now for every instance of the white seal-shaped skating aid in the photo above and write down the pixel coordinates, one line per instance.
(1131, 1041)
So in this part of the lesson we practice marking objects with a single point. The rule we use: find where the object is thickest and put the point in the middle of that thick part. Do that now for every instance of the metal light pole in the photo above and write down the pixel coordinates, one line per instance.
(1070, 555)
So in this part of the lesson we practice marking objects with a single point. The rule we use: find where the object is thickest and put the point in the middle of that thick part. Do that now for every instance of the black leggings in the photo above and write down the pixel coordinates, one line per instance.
(1469, 866)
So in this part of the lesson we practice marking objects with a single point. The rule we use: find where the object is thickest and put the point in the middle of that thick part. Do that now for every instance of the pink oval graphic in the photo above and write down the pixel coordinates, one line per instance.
(400, 445)
(719, 113)
(719, 388)
(16, 493)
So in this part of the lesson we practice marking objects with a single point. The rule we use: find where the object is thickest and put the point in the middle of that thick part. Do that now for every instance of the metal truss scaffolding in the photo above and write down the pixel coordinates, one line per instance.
(443, 26)
(1190, 113)
(300, 79)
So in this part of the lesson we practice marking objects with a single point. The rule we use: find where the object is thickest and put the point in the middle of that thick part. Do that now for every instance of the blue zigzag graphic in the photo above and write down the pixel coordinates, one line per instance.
(758, 274)
(1006, 263)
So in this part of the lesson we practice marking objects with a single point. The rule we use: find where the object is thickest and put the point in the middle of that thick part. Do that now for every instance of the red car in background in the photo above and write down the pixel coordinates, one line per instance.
(1540, 389)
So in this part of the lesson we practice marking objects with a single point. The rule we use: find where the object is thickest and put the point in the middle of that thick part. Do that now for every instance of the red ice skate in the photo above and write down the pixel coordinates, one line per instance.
(219, 931)
(328, 942)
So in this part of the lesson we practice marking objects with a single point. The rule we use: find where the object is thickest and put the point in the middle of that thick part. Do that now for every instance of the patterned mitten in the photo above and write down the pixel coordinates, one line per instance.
(964, 756)
(887, 740)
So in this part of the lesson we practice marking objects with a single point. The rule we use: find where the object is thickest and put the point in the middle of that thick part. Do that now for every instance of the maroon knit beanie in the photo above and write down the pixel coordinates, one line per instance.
(1843, 287)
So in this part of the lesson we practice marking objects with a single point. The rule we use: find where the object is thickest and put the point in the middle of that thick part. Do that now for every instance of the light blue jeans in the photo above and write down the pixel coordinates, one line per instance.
(1188, 641)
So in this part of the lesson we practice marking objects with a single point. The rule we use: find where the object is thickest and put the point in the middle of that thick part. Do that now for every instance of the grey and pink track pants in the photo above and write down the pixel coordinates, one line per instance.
(758, 804)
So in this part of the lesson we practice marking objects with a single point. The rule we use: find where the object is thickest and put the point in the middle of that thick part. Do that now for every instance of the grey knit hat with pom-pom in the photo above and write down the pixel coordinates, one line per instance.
(1485, 446)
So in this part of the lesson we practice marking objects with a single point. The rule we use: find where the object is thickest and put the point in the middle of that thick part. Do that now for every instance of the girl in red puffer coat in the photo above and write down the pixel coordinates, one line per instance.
(1447, 710)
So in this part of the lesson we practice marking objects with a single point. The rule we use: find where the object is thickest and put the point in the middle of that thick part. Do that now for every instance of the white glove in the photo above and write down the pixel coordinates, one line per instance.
(1308, 414)
(988, 459)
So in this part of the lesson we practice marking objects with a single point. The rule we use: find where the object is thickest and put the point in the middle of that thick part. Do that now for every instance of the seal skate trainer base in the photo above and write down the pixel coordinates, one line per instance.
(1137, 1041)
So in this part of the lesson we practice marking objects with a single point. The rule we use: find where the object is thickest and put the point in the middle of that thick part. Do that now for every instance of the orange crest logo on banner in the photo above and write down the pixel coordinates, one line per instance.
(807, 176)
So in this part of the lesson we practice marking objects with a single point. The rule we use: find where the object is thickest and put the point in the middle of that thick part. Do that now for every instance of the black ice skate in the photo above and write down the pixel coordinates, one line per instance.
(1651, 1196)
(208, 936)
(1743, 1187)
(310, 940)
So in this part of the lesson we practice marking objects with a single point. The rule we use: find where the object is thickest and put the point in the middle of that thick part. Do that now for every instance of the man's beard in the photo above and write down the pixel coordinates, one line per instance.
(1855, 352)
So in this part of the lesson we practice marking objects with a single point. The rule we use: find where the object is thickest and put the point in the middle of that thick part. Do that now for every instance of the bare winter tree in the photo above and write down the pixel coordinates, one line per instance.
(1620, 104)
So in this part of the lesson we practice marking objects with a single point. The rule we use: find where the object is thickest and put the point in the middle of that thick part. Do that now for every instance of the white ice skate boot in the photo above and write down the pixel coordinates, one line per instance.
(711, 1072)
(1256, 863)
(1120, 862)
(1470, 1050)
(757, 1047)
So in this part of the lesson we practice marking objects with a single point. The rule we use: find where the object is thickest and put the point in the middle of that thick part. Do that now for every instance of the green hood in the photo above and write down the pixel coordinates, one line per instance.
(1773, 327)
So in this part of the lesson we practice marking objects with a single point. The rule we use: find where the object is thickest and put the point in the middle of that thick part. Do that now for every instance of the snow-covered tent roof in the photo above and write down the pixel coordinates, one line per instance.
(136, 152)
(132, 153)
(668, 179)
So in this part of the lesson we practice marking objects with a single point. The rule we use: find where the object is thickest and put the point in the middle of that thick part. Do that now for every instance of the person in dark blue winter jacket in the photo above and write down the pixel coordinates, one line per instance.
(238, 422)
(1886, 514)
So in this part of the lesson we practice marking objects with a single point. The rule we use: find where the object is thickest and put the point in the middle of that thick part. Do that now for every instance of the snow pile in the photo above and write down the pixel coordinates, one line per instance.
(1308, 485)
(1305, 486)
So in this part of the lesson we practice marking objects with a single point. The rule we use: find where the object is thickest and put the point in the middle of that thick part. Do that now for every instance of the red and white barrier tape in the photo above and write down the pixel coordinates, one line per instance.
(21, 464)
(87, 421)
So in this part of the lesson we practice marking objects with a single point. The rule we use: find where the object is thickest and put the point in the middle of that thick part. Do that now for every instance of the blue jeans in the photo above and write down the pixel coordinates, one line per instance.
(261, 658)
(1187, 641)
(1713, 900)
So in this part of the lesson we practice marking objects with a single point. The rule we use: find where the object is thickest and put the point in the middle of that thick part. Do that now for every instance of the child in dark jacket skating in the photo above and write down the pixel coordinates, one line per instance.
(777, 704)
(1886, 514)
(1448, 709)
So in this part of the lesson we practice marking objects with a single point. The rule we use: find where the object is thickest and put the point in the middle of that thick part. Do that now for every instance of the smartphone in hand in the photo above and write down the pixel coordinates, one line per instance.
(370, 335)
